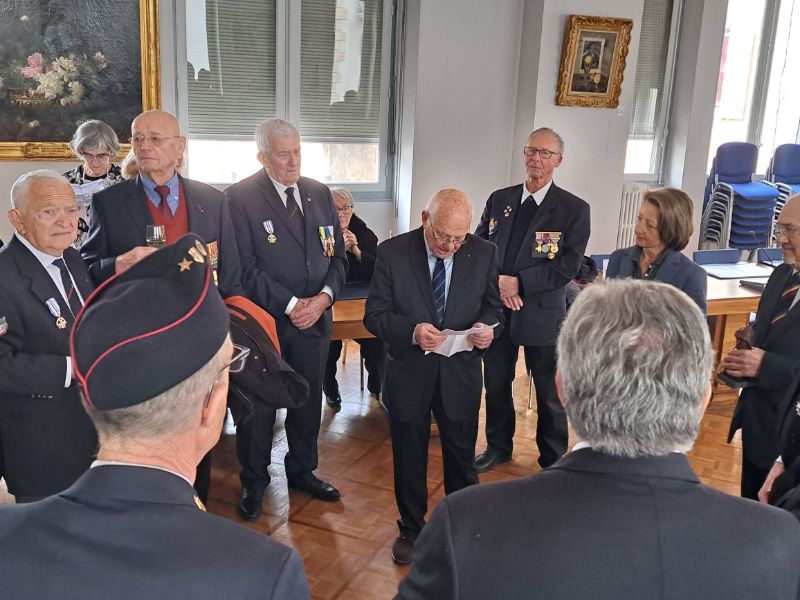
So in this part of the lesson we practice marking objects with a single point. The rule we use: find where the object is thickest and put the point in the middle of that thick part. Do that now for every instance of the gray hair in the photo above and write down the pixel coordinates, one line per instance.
(19, 189)
(343, 192)
(92, 135)
(451, 198)
(635, 360)
(559, 139)
(165, 415)
(273, 129)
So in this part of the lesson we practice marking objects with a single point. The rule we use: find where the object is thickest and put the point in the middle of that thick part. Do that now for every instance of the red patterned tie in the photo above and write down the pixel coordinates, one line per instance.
(163, 207)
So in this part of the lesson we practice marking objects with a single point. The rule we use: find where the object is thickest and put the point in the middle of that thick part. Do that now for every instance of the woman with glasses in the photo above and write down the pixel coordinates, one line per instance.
(362, 249)
(96, 144)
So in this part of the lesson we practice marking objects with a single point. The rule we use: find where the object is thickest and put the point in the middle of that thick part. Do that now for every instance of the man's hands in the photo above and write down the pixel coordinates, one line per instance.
(428, 337)
(483, 339)
(307, 311)
(742, 363)
(776, 471)
(351, 243)
(125, 261)
(509, 292)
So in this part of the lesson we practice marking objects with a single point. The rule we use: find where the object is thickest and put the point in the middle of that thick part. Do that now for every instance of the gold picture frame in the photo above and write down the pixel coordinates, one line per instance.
(593, 61)
(92, 72)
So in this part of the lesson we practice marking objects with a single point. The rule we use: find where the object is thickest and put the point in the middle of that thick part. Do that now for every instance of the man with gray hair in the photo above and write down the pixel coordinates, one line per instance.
(151, 353)
(293, 266)
(46, 439)
(622, 515)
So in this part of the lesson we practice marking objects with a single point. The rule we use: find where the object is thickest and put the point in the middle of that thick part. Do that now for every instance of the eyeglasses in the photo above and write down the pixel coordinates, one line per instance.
(542, 152)
(442, 239)
(787, 230)
(234, 365)
(153, 140)
(95, 157)
(344, 211)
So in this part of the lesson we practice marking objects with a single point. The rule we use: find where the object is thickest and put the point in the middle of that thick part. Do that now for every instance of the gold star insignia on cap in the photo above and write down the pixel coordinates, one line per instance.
(185, 264)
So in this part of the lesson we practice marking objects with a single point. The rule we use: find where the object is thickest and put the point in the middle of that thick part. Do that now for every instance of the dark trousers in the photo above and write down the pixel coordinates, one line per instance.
(410, 454)
(499, 364)
(373, 354)
(753, 477)
(306, 355)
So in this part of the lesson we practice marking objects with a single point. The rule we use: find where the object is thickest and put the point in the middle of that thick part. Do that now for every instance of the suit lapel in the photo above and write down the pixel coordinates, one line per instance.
(194, 206)
(418, 256)
(277, 207)
(764, 329)
(458, 277)
(79, 273)
(511, 201)
(668, 270)
(308, 202)
(134, 202)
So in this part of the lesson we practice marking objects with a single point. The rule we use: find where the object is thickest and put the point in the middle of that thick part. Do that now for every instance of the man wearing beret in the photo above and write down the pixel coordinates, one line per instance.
(46, 439)
(293, 266)
(154, 379)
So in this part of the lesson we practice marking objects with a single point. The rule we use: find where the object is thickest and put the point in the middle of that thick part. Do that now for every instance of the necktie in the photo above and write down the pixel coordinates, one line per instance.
(72, 296)
(785, 302)
(163, 207)
(439, 282)
(291, 204)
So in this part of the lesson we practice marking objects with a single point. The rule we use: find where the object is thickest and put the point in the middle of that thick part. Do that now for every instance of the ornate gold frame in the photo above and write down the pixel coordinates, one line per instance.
(151, 94)
(577, 24)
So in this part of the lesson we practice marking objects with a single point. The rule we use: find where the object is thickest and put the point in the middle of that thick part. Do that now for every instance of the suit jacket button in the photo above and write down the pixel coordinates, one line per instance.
(308, 263)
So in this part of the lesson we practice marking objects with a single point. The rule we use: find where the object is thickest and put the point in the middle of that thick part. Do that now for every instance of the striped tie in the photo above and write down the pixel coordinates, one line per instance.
(439, 285)
(787, 298)
(69, 289)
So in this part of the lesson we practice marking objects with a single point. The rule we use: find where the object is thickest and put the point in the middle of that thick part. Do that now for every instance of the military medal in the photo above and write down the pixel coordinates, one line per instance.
(3, 326)
(507, 211)
(492, 225)
(327, 239)
(55, 310)
(270, 229)
(547, 243)
(213, 258)
(797, 408)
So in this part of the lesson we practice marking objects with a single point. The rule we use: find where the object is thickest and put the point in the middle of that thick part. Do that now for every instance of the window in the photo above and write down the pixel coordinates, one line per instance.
(324, 65)
(652, 86)
(758, 85)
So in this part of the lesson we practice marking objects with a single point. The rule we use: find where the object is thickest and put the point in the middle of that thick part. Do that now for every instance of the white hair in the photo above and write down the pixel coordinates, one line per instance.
(19, 189)
(559, 139)
(273, 129)
(635, 359)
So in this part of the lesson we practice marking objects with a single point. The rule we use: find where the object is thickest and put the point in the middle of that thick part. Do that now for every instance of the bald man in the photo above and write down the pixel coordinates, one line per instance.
(46, 439)
(159, 195)
(433, 278)
(772, 363)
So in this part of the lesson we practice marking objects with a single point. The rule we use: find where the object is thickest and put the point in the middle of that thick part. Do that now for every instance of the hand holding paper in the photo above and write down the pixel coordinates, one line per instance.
(459, 341)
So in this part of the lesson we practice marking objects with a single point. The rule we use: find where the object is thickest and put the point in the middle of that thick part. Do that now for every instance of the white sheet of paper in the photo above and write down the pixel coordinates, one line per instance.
(457, 341)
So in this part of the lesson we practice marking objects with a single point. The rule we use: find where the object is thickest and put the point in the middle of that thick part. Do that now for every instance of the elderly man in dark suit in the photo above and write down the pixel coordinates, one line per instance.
(294, 265)
(771, 363)
(47, 439)
(433, 278)
(622, 515)
(159, 196)
(541, 232)
(151, 353)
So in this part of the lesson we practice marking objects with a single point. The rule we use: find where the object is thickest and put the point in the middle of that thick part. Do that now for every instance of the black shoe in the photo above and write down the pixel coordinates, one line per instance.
(490, 458)
(334, 400)
(403, 549)
(250, 506)
(321, 490)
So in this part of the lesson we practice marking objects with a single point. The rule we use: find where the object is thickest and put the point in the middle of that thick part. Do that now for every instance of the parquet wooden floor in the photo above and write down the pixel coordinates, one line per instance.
(346, 545)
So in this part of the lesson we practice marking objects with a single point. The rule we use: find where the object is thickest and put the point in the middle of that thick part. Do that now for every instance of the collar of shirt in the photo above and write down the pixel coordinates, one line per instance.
(432, 258)
(119, 463)
(538, 195)
(47, 262)
(281, 189)
(150, 190)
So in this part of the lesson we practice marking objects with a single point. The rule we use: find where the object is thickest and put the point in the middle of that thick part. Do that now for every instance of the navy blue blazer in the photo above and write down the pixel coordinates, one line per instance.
(46, 437)
(543, 279)
(613, 528)
(128, 532)
(120, 218)
(289, 266)
(675, 269)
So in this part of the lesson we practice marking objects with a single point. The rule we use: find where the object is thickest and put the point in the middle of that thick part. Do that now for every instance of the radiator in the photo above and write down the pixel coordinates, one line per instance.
(632, 194)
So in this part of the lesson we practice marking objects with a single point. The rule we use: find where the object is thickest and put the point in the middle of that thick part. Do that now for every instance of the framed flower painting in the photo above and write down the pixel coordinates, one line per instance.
(63, 62)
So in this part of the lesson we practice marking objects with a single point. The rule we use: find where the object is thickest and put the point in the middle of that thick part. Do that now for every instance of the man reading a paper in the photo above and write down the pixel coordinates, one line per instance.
(434, 278)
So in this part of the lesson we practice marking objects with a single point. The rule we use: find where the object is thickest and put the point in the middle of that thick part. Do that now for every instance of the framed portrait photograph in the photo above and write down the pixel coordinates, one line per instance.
(63, 62)
(593, 61)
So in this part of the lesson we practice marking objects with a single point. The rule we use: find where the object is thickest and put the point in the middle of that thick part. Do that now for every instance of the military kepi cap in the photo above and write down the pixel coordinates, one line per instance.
(149, 328)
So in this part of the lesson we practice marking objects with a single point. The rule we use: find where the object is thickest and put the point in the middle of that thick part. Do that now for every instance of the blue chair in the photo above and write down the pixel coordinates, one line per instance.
(716, 257)
(784, 174)
(738, 211)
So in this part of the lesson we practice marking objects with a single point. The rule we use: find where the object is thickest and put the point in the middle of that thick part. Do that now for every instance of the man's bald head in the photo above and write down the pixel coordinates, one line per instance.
(447, 219)
(158, 144)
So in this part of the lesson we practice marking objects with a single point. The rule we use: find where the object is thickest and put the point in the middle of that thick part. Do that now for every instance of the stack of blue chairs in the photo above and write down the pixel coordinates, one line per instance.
(737, 212)
(784, 174)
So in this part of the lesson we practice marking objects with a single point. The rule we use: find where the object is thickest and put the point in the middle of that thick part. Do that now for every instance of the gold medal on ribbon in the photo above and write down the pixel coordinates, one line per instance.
(61, 323)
